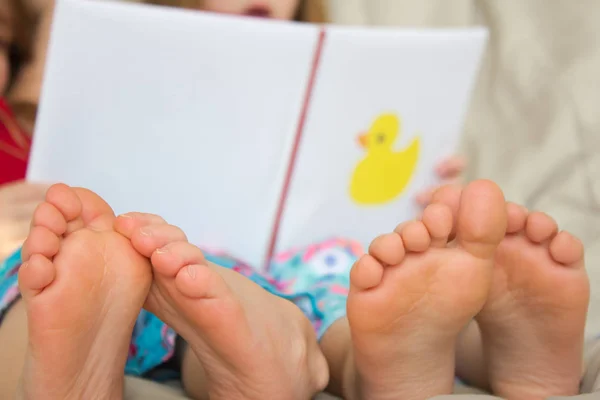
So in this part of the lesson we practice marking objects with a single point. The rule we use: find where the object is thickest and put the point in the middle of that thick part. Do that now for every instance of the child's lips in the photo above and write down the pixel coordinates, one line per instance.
(258, 11)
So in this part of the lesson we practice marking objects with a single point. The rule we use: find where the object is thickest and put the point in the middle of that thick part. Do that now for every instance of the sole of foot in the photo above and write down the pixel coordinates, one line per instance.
(533, 324)
(252, 344)
(534, 320)
(413, 293)
(83, 285)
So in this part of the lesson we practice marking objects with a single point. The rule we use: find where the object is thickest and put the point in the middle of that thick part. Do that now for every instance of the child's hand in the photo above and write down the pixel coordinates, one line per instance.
(17, 203)
(449, 171)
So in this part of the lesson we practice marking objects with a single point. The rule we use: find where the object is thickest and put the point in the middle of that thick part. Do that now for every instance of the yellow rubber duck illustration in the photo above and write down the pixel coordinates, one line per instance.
(383, 173)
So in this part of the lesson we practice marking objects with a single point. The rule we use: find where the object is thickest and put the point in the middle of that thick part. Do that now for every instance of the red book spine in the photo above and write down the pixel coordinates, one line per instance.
(297, 141)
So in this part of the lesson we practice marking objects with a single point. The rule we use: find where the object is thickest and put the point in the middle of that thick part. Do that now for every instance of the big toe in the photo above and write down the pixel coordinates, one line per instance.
(193, 282)
(199, 281)
(80, 207)
(65, 198)
(168, 260)
(482, 218)
(95, 212)
(127, 224)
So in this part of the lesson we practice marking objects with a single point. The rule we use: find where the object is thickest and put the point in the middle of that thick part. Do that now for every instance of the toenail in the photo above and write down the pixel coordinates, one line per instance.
(162, 250)
(145, 232)
(125, 216)
(191, 270)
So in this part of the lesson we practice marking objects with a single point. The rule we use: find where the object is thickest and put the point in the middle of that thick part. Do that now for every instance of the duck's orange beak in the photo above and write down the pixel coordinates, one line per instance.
(363, 140)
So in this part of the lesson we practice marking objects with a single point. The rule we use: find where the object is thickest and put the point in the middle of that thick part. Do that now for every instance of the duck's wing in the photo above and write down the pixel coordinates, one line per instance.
(411, 154)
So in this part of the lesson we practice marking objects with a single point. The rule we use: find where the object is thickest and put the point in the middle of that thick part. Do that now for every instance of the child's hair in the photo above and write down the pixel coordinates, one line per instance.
(309, 11)
(20, 55)
(20, 48)
(15, 60)
(312, 11)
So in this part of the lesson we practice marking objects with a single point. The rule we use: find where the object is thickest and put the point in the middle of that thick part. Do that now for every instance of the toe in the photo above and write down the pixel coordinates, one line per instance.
(366, 273)
(449, 195)
(424, 197)
(35, 275)
(415, 236)
(482, 220)
(400, 227)
(200, 281)
(223, 312)
(127, 224)
(437, 218)
(40, 241)
(566, 249)
(540, 227)
(65, 200)
(80, 207)
(516, 217)
(168, 260)
(388, 249)
(151, 237)
(48, 216)
(95, 212)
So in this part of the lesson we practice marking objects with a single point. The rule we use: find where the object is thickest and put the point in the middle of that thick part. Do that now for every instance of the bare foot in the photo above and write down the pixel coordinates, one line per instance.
(252, 344)
(533, 322)
(413, 293)
(83, 286)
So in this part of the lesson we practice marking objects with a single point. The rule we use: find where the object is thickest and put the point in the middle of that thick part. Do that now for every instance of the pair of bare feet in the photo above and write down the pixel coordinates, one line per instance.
(472, 259)
(87, 274)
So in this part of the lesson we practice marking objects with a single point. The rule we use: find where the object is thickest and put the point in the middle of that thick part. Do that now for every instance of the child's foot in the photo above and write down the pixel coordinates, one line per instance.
(412, 295)
(83, 286)
(252, 344)
(533, 322)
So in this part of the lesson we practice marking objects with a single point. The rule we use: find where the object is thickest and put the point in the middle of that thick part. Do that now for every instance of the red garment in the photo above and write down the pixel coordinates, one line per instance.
(14, 146)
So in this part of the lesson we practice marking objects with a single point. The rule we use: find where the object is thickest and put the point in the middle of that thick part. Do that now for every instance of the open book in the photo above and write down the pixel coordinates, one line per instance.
(253, 136)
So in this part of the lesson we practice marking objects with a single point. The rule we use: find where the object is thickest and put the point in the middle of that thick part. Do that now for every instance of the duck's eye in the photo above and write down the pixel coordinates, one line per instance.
(380, 138)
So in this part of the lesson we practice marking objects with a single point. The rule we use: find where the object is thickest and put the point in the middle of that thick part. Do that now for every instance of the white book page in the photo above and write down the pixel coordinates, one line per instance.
(184, 114)
(408, 91)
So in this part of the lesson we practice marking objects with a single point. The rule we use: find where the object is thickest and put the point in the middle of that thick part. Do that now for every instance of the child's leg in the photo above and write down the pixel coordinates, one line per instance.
(336, 344)
(411, 297)
(470, 358)
(531, 329)
(317, 280)
(82, 286)
(13, 327)
(250, 343)
(13, 336)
